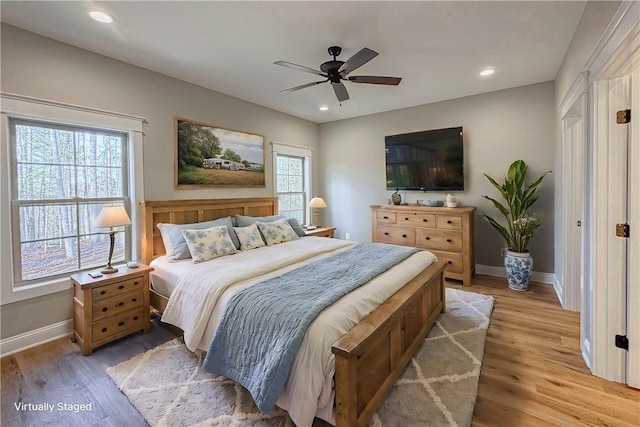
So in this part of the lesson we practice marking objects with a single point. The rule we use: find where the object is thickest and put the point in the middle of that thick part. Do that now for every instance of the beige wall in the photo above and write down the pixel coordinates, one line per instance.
(40, 67)
(499, 127)
(594, 21)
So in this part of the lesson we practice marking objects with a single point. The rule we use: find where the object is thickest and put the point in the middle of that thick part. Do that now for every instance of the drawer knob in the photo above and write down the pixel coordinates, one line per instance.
(103, 292)
(135, 318)
(427, 238)
(104, 329)
(121, 324)
(404, 235)
(385, 217)
(449, 222)
(450, 262)
(134, 300)
(104, 309)
(425, 220)
(406, 219)
(120, 304)
(386, 234)
(121, 287)
(135, 283)
(449, 240)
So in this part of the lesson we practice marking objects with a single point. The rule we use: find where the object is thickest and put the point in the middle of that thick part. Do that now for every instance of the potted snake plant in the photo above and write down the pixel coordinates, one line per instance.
(520, 225)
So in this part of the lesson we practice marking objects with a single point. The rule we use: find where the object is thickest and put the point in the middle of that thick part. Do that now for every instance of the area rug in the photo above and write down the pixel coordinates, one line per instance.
(438, 387)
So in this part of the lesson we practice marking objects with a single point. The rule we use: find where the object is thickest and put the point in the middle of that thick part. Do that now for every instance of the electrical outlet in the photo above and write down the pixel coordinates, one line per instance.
(347, 236)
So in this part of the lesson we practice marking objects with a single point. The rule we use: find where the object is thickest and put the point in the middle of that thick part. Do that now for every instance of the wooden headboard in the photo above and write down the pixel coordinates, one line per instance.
(190, 211)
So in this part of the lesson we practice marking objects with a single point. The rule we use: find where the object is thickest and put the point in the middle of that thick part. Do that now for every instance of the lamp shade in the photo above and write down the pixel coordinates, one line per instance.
(317, 202)
(112, 216)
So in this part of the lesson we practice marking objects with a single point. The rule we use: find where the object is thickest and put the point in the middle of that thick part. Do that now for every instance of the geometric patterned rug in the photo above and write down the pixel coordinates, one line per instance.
(438, 388)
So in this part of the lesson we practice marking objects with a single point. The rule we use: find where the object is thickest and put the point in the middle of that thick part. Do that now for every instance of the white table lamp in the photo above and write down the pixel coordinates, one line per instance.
(110, 217)
(317, 203)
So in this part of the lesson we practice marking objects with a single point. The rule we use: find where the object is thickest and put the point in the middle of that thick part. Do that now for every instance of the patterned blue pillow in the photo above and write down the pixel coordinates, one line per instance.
(243, 221)
(275, 232)
(209, 243)
(176, 247)
(249, 237)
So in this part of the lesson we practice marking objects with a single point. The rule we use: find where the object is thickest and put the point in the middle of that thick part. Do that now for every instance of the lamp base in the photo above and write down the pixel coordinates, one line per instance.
(109, 270)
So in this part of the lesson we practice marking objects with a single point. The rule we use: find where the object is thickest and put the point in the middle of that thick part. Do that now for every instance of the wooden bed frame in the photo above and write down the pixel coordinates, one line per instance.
(371, 356)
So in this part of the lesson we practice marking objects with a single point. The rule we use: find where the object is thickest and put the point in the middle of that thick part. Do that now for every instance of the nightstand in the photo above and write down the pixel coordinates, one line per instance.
(111, 306)
(321, 232)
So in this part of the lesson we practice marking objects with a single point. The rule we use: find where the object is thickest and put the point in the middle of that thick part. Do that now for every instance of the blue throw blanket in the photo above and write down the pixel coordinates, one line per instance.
(264, 325)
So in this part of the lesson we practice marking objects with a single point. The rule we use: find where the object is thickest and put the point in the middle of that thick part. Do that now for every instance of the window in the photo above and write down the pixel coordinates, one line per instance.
(62, 176)
(290, 186)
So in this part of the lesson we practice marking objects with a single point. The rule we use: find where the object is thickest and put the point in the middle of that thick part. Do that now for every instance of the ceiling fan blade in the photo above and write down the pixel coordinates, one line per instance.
(341, 91)
(376, 80)
(358, 60)
(292, 89)
(300, 68)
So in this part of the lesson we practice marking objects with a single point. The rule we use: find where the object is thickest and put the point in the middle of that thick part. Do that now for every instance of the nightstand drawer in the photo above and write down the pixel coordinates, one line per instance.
(113, 326)
(119, 304)
(438, 239)
(108, 291)
(399, 235)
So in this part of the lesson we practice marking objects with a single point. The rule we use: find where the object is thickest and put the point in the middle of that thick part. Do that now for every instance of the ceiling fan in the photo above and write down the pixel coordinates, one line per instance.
(335, 71)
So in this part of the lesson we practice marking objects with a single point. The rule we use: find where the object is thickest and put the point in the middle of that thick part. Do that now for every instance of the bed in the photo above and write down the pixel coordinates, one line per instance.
(369, 356)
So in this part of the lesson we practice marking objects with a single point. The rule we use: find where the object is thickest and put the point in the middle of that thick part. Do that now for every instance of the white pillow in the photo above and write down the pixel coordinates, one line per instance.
(275, 232)
(209, 243)
(249, 237)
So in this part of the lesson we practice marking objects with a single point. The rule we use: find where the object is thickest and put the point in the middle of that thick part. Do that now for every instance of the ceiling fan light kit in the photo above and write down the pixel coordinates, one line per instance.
(335, 71)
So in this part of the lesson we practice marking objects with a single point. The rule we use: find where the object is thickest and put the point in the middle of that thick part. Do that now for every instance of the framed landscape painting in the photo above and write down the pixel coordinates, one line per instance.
(210, 156)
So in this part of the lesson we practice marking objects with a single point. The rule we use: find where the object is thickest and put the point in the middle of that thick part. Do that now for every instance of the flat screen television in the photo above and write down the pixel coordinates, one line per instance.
(430, 160)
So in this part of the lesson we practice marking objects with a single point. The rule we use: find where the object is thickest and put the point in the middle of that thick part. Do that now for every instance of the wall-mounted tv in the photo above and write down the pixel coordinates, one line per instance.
(430, 160)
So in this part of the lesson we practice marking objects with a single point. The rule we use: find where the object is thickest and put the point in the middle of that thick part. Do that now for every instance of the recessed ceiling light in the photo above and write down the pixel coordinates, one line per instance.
(487, 72)
(323, 108)
(100, 16)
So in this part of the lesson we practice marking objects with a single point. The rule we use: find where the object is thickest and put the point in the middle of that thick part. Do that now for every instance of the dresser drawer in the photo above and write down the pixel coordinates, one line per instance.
(438, 239)
(119, 304)
(452, 222)
(399, 235)
(453, 260)
(386, 216)
(416, 219)
(108, 291)
(112, 326)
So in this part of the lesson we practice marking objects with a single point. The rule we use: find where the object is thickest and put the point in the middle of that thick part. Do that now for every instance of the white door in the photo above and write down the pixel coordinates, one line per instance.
(616, 302)
(573, 159)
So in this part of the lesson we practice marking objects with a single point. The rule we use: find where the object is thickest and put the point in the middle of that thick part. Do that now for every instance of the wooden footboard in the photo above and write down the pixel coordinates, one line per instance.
(371, 356)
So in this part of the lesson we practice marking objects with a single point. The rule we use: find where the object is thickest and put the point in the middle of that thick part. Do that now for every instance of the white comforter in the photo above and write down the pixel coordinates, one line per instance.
(201, 295)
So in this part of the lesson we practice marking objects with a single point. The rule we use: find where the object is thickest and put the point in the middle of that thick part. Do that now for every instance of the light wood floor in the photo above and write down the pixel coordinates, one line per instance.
(532, 373)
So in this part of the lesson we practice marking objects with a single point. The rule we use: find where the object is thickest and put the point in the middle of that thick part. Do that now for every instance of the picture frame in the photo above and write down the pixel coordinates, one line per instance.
(207, 155)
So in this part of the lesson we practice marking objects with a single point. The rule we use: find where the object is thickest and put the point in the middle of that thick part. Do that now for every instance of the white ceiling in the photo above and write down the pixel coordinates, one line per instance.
(437, 48)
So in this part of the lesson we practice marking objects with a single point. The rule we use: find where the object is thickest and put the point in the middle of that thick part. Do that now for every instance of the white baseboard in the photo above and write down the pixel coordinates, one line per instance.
(559, 290)
(35, 338)
(492, 270)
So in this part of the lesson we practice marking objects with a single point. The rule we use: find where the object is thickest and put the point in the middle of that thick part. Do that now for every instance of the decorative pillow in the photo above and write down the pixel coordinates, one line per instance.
(209, 243)
(275, 232)
(250, 237)
(244, 221)
(175, 245)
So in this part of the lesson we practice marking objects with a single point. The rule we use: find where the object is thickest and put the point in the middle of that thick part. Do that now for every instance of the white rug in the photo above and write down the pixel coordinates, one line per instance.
(438, 387)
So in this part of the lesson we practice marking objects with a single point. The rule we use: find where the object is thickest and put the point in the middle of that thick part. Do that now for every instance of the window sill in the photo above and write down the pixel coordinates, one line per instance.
(46, 287)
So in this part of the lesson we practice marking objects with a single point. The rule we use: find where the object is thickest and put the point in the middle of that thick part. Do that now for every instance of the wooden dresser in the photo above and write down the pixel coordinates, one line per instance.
(447, 232)
(110, 307)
